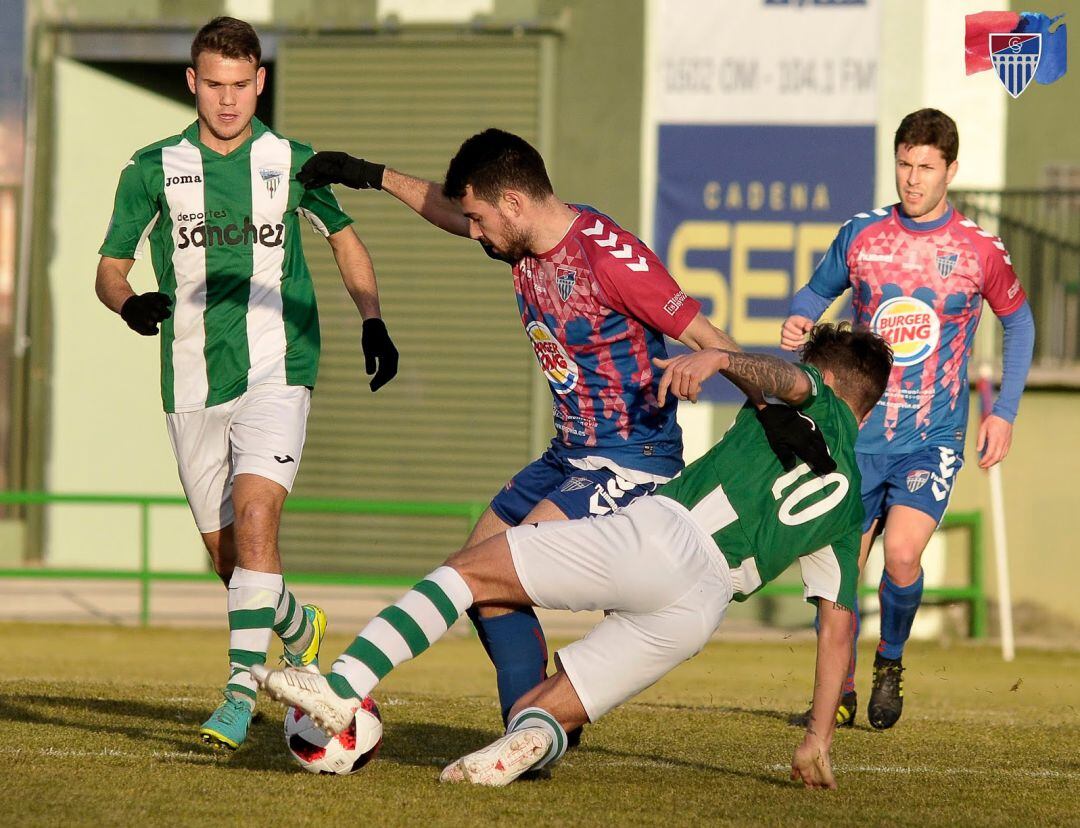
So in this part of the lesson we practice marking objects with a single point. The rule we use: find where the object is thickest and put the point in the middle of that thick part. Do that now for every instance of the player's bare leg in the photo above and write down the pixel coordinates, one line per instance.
(558, 697)
(258, 503)
(221, 546)
(512, 636)
(907, 531)
(489, 525)
(257, 597)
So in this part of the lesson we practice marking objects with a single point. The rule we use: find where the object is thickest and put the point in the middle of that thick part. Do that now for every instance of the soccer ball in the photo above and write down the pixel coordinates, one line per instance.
(342, 754)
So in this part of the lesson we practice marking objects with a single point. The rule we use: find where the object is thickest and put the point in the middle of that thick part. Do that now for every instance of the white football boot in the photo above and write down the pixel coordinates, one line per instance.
(310, 692)
(501, 762)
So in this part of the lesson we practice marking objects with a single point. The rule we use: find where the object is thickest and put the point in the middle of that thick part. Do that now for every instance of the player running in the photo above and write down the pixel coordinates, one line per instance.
(919, 272)
(239, 335)
(663, 568)
(596, 304)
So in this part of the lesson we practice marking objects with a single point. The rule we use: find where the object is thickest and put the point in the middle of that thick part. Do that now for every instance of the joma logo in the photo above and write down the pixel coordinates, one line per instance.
(183, 179)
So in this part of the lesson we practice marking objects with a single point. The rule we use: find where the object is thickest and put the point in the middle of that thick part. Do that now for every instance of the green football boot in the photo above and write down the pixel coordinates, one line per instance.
(227, 726)
(309, 659)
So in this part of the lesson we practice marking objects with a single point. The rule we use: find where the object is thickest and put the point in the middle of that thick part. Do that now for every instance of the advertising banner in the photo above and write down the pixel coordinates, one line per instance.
(762, 117)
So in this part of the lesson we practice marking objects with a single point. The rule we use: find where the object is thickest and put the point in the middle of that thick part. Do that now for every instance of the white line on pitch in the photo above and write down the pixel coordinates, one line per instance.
(1038, 773)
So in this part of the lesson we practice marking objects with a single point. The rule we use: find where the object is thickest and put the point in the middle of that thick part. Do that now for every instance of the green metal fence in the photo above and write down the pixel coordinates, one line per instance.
(973, 594)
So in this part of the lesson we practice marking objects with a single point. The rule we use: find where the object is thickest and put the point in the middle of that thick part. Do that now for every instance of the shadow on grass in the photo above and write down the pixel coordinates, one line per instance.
(137, 719)
(425, 744)
(667, 761)
(788, 717)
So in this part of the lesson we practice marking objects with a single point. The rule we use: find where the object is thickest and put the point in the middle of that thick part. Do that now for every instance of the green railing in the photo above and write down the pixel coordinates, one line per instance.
(974, 594)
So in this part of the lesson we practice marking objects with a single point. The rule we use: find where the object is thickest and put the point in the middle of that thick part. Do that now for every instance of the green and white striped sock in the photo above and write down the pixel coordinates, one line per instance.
(290, 623)
(401, 632)
(253, 600)
(538, 717)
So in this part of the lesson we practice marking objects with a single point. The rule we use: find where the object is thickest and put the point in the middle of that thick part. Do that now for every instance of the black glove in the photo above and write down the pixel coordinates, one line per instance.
(143, 312)
(377, 346)
(793, 435)
(340, 168)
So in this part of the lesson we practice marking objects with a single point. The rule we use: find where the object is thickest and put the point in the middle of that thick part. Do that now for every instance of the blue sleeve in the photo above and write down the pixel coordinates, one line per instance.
(808, 303)
(832, 277)
(1017, 349)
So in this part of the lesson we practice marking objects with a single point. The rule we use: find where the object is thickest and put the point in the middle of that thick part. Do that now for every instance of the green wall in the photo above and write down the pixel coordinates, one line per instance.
(1043, 124)
(597, 133)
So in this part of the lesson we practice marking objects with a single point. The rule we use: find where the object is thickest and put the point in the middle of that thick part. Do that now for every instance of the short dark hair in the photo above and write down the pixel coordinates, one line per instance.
(858, 358)
(228, 37)
(493, 161)
(931, 128)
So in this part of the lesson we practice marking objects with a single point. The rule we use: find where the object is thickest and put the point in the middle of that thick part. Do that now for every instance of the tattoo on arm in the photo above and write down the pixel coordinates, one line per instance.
(772, 376)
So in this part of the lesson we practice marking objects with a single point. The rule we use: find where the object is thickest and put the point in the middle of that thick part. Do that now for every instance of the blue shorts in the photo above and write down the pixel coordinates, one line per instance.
(922, 479)
(577, 492)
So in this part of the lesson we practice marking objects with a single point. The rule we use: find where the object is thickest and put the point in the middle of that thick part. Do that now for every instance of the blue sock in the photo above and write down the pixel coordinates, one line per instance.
(516, 645)
(898, 607)
(849, 682)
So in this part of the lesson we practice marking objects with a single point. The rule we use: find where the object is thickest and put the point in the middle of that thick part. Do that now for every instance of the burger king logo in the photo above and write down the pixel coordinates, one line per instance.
(910, 326)
(560, 370)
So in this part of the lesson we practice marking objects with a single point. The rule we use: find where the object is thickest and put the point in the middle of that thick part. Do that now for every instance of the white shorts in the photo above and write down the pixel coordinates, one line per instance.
(662, 580)
(260, 432)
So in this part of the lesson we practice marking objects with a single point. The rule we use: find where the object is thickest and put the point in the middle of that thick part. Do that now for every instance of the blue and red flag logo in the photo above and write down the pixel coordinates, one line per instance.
(1019, 46)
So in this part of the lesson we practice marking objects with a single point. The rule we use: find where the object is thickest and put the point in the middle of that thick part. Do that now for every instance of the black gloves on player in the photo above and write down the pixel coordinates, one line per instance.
(377, 346)
(144, 311)
(793, 437)
(340, 168)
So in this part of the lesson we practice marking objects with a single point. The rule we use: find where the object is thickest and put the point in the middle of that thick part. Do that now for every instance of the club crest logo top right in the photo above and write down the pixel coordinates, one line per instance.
(1018, 46)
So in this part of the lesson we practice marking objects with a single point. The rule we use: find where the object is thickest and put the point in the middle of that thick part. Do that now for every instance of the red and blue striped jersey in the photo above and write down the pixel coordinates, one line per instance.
(921, 286)
(596, 308)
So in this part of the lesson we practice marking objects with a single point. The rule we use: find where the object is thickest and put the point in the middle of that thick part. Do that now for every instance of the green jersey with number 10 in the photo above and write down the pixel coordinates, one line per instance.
(225, 245)
(763, 518)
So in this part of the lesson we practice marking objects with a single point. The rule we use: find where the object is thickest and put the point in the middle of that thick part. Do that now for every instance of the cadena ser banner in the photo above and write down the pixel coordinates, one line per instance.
(760, 115)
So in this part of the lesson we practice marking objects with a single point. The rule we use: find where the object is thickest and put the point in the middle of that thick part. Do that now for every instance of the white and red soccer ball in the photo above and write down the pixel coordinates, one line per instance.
(342, 754)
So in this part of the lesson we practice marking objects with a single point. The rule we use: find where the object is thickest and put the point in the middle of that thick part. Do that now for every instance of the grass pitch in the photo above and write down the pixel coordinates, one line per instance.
(100, 728)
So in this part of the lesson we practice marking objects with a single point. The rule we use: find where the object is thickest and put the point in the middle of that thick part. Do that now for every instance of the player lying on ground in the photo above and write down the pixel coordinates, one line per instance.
(665, 568)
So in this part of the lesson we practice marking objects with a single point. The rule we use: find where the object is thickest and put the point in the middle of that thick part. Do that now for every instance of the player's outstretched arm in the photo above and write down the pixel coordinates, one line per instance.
(142, 312)
(424, 197)
(358, 274)
(792, 437)
(767, 375)
(810, 762)
(427, 200)
(772, 376)
(701, 333)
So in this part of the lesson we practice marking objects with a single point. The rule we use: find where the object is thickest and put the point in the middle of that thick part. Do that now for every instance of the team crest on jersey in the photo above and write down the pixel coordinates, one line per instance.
(946, 262)
(565, 278)
(910, 326)
(917, 479)
(560, 370)
(271, 178)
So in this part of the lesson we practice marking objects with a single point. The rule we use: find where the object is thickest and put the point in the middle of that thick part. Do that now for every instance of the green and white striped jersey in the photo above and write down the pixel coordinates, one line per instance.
(225, 245)
(763, 518)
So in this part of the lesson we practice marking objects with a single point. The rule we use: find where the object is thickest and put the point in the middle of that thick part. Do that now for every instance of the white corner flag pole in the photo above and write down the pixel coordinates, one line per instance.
(1001, 551)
